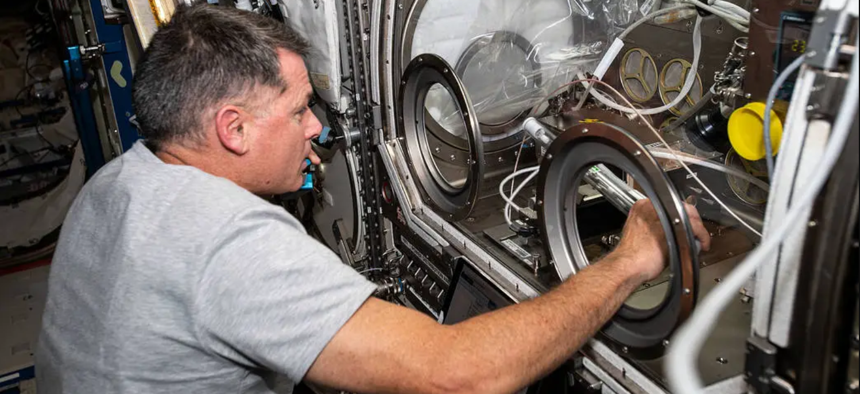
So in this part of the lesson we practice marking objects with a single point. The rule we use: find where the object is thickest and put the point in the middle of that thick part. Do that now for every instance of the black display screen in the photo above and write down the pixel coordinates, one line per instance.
(793, 40)
(471, 295)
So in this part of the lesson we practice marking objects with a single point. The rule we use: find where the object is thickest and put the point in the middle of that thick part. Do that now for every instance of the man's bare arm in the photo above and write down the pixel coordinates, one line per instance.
(389, 349)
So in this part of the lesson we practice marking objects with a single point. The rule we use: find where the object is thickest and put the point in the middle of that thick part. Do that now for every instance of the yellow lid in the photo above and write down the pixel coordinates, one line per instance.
(746, 131)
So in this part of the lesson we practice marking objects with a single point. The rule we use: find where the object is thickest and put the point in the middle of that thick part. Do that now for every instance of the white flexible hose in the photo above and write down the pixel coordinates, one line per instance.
(720, 12)
(683, 353)
(733, 8)
(688, 85)
(689, 159)
(509, 201)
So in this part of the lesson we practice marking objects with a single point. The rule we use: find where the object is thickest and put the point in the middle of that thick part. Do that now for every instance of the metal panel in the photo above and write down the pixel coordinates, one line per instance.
(764, 34)
(117, 72)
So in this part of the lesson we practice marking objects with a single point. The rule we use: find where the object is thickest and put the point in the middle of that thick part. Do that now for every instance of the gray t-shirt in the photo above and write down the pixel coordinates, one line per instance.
(170, 280)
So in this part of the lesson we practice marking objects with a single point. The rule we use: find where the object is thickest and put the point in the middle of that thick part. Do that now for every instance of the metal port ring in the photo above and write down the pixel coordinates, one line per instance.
(424, 72)
(567, 160)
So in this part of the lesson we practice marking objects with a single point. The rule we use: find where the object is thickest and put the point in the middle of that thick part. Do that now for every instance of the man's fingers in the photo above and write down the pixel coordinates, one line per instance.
(699, 229)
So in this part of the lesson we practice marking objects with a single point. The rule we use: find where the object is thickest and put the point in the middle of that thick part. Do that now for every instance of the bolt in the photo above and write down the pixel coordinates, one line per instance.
(665, 343)
(453, 157)
(625, 350)
(677, 221)
(748, 96)
(722, 360)
(752, 53)
(813, 223)
(687, 291)
(549, 157)
(437, 150)
(637, 153)
(584, 131)
(756, 10)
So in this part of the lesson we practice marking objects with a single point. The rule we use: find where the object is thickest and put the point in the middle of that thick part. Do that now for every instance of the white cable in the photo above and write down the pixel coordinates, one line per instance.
(509, 200)
(733, 8)
(520, 188)
(690, 159)
(688, 85)
(728, 16)
(739, 27)
(683, 354)
(771, 99)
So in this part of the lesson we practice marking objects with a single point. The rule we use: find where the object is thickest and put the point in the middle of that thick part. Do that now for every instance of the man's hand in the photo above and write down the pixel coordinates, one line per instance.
(644, 238)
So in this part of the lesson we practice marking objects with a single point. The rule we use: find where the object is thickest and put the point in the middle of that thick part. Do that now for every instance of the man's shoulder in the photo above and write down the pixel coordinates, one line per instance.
(139, 184)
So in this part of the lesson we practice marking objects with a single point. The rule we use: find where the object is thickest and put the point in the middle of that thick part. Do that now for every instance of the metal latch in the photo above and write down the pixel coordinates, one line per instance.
(93, 51)
(761, 368)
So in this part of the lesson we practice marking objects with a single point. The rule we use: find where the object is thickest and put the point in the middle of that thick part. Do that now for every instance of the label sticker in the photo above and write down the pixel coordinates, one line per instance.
(116, 74)
(321, 81)
(516, 249)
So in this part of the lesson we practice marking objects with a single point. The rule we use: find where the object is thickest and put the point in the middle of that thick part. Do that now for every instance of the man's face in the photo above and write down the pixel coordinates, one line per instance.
(284, 131)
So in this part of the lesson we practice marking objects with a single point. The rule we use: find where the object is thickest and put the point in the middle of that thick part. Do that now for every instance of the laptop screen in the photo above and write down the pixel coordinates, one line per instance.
(472, 294)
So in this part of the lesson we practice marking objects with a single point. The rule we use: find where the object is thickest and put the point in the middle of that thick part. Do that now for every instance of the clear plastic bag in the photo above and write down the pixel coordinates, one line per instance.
(510, 54)
(625, 12)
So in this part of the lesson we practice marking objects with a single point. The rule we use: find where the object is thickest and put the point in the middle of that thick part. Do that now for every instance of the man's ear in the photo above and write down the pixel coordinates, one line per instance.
(231, 124)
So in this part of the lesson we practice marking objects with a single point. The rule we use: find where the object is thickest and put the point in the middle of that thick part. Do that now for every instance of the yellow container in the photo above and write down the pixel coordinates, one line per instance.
(746, 131)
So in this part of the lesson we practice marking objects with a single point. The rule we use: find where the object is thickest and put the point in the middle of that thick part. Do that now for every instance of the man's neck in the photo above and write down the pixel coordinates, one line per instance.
(171, 158)
(217, 166)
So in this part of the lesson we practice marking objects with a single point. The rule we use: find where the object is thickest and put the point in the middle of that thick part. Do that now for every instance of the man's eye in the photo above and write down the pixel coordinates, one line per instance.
(312, 103)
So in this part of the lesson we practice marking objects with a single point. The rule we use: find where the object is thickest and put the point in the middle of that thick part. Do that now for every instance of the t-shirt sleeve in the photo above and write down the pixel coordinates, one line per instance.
(272, 297)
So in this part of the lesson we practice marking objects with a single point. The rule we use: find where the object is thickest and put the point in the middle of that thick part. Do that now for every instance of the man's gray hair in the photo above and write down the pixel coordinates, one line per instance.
(205, 56)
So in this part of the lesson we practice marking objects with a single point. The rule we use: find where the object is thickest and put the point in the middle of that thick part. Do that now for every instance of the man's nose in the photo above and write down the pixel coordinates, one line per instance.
(314, 128)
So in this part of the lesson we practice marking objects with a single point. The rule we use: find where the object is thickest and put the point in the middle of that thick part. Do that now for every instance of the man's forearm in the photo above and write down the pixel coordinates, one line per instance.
(516, 345)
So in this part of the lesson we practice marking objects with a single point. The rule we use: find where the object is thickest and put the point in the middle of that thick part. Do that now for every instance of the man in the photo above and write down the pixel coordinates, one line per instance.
(171, 275)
